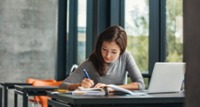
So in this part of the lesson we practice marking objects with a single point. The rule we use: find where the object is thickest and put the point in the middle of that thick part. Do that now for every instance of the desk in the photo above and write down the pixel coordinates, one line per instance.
(151, 100)
(6, 86)
(27, 91)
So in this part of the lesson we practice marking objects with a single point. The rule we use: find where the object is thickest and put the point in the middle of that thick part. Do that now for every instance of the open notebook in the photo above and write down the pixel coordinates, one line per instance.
(104, 91)
(167, 77)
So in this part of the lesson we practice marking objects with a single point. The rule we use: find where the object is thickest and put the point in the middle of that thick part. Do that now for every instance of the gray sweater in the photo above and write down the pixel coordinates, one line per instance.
(116, 74)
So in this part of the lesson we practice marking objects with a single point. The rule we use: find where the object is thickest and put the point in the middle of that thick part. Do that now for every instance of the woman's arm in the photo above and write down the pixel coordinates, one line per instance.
(130, 86)
(134, 74)
(75, 79)
(86, 83)
(73, 86)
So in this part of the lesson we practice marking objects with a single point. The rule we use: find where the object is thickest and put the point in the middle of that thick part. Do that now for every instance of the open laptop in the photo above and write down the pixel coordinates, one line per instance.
(167, 77)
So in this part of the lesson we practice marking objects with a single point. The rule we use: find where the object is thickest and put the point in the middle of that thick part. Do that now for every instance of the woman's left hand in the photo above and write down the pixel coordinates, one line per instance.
(99, 85)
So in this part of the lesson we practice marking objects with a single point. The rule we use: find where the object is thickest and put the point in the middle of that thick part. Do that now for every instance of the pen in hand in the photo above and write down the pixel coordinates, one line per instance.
(86, 74)
(87, 83)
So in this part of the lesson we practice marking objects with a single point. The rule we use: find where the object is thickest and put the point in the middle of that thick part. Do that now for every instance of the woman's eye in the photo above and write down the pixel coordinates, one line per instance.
(104, 49)
(114, 52)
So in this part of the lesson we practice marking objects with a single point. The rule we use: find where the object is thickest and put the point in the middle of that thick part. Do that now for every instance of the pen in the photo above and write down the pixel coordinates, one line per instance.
(86, 74)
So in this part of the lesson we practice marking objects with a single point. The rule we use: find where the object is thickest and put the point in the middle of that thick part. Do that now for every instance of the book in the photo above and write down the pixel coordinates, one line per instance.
(89, 91)
(104, 91)
(119, 90)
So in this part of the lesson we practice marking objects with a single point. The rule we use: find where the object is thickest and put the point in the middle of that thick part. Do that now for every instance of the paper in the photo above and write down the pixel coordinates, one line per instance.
(123, 90)
(101, 91)
(89, 91)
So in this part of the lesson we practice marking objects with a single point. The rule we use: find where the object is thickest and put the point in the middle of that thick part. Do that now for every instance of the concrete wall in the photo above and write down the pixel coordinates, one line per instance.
(28, 30)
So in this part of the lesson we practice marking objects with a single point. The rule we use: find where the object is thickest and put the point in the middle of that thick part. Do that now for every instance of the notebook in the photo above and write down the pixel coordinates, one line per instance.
(167, 77)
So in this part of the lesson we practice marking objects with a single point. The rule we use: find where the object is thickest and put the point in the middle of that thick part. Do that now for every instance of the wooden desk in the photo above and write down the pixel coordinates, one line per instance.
(27, 91)
(151, 100)
(4, 90)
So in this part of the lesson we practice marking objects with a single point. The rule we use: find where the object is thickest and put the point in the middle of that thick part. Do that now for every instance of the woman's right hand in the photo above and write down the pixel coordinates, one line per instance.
(87, 83)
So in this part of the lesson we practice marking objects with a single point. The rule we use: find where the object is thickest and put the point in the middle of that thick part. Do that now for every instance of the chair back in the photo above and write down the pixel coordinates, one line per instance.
(39, 82)
(44, 99)
(31, 80)
(45, 83)
(73, 68)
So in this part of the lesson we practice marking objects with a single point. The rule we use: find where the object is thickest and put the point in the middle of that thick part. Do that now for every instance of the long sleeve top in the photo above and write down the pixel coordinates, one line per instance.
(116, 74)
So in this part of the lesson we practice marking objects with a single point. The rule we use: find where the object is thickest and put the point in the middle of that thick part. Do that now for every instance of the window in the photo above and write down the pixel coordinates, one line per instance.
(154, 29)
(81, 31)
(174, 30)
(137, 27)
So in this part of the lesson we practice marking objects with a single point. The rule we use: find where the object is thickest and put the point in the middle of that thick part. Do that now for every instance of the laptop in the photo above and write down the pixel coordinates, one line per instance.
(167, 77)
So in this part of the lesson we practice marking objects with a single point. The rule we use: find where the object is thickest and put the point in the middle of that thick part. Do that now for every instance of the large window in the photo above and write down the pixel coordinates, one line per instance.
(81, 31)
(174, 30)
(165, 37)
(137, 27)
(154, 29)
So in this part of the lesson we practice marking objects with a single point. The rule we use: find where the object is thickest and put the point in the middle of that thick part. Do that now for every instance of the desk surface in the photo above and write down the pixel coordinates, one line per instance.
(6, 86)
(11, 84)
(27, 91)
(122, 99)
(35, 88)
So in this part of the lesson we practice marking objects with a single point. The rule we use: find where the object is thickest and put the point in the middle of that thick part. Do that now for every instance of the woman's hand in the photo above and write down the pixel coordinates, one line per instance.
(87, 83)
(99, 85)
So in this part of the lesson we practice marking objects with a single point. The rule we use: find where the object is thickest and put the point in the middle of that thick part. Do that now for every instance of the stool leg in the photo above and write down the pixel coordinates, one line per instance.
(1, 96)
(16, 98)
(25, 100)
(5, 96)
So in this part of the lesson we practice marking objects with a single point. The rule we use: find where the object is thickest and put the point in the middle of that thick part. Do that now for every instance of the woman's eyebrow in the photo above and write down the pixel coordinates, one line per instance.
(114, 50)
(110, 49)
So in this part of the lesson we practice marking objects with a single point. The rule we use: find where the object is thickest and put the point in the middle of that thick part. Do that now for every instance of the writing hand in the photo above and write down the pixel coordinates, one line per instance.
(87, 83)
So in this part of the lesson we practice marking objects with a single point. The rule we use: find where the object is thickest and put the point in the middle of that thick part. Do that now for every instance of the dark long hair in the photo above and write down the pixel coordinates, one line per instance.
(113, 33)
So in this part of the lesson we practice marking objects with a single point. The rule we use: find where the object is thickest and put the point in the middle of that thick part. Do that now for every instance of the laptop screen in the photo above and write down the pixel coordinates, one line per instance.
(167, 77)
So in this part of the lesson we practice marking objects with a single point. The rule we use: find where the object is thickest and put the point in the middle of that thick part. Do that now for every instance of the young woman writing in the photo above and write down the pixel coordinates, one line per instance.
(108, 64)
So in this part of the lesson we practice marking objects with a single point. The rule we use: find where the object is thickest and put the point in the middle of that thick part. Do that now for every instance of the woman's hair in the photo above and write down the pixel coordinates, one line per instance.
(113, 33)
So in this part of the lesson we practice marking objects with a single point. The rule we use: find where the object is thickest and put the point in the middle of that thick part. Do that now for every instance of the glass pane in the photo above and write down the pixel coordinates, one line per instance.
(137, 27)
(81, 30)
(67, 29)
(174, 30)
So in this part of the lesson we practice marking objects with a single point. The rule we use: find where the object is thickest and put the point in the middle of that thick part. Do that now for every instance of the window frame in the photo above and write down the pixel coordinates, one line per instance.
(100, 15)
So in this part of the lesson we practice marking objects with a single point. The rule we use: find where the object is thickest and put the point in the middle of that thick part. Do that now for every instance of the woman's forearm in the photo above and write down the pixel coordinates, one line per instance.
(74, 86)
(130, 86)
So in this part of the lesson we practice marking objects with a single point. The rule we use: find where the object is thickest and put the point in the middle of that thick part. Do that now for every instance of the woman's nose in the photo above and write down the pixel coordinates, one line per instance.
(108, 54)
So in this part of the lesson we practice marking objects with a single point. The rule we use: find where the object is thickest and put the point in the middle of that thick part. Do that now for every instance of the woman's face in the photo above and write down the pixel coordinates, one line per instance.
(110, 51)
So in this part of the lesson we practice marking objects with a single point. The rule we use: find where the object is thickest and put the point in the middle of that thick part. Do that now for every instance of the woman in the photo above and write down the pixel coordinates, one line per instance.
(108, 64)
